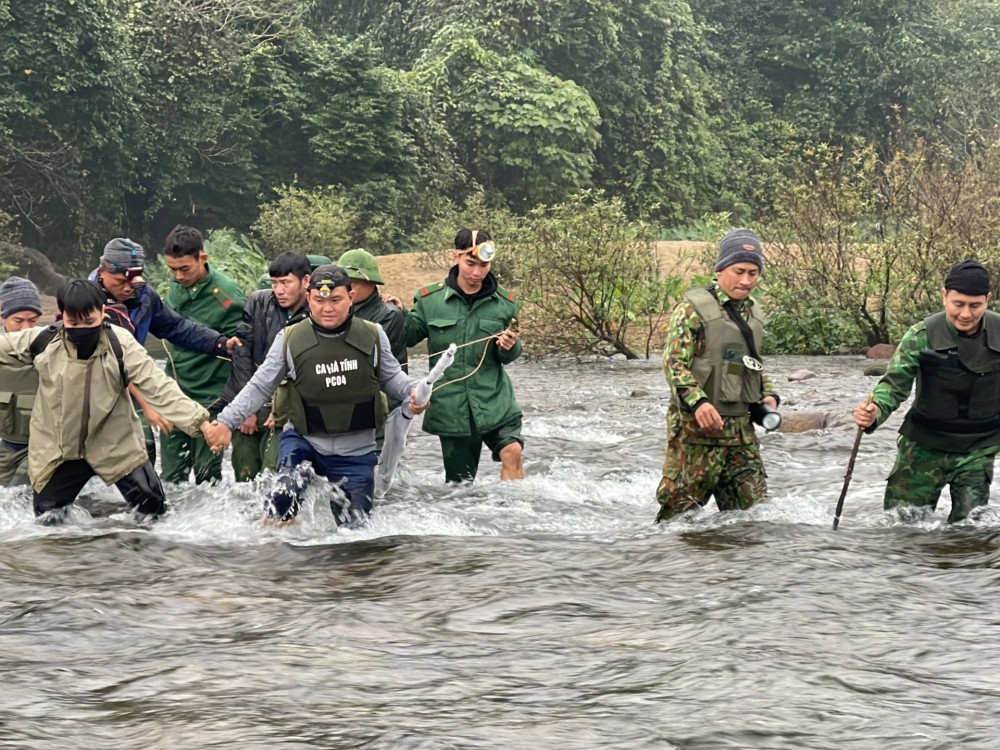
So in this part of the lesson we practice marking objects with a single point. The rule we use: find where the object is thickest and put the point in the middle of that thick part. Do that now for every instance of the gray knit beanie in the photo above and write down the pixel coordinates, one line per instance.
(19, 295)
(739, 246)
(124, 253)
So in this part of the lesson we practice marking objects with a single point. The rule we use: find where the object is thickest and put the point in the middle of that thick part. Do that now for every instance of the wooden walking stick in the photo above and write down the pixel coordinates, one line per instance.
(850, 471)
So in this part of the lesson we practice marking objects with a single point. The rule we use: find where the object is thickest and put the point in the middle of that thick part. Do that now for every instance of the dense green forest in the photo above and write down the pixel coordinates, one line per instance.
(124, 117)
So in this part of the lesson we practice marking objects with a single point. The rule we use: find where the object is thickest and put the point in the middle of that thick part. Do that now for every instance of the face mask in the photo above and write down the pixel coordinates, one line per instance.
(85, 340)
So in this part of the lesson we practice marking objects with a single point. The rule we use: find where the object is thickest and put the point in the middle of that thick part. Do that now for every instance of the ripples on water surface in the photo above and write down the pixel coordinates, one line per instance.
(549, 613)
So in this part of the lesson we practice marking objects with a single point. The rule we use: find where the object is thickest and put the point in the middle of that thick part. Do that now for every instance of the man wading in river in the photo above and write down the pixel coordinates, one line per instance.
(713, 366)
(951, 434)
(336, 365)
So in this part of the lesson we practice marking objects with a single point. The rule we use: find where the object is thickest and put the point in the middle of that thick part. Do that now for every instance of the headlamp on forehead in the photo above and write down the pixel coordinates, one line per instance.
(325, 289)
(483, 251)
(132, 271)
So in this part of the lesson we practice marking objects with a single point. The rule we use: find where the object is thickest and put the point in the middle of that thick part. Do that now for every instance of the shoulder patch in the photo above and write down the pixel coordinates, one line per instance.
(424, 291)
(509, 296)
(221, 297)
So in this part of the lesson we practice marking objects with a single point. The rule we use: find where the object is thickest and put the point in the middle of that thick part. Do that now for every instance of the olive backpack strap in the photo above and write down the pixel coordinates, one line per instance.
(42, 340)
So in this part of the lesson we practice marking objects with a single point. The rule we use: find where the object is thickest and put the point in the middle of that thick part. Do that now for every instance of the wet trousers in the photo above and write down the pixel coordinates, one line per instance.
(180, 453)
(254, 453)
(693, 473)
(298, 462)
(141, 489)
(920, 473)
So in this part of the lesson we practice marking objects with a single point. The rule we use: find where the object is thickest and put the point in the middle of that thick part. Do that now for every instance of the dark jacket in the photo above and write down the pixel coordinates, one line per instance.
(374, 310)
(262, 319)
(150, 316)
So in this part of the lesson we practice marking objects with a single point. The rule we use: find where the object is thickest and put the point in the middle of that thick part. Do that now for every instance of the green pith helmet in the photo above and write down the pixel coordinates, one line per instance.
(264, 282)
(361, 265)
(318, 260)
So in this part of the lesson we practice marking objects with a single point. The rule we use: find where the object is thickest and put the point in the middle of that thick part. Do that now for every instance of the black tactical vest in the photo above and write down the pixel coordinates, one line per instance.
(957, 405)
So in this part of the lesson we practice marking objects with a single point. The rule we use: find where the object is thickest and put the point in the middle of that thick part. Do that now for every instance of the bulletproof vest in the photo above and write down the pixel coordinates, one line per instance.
(957, 405)
(16, 400)
(336, 388)
(730, 385)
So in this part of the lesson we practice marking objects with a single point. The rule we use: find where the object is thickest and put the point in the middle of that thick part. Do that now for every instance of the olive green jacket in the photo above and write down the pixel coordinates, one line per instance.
(215, 302)
(83, 410)
(484, 400)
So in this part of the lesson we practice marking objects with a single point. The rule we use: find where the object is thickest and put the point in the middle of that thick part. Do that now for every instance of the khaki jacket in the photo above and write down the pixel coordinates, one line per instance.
(83, 411)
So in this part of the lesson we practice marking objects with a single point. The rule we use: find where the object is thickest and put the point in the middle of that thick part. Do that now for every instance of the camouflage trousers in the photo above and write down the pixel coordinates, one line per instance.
(921, 473)
(693, 473)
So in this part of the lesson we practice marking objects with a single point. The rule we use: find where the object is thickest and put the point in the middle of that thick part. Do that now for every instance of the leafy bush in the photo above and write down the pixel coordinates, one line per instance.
(590, 275)
(313, 222)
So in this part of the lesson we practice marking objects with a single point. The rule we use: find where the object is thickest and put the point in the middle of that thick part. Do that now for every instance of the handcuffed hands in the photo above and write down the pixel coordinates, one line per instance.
(217, 435)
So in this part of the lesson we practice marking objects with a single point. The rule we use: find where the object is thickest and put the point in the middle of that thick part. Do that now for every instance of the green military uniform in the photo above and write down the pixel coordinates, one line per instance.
(480, 408)
(215, 302)
(704, 361)
(951, 434)
(16, 401)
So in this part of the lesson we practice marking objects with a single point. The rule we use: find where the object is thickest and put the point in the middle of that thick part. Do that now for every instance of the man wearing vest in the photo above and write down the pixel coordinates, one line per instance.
(336, 365)
(951, 434)
(266, 313)
(120, 275)
(478, 406)
(712, 363)
(20, 309)
(205, 296)
(89, 426)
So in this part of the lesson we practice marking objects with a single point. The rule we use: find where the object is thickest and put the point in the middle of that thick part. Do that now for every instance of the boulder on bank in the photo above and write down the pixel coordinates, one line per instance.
(32, 265)
(803, 421)
(881, 351)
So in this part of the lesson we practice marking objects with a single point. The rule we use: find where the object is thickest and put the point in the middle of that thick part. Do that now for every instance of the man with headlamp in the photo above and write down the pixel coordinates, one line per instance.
(336, 364)
(120, 275)
(474, 404)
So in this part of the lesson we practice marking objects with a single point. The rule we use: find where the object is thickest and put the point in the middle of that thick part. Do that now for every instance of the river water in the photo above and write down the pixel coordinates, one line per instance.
(547, 613)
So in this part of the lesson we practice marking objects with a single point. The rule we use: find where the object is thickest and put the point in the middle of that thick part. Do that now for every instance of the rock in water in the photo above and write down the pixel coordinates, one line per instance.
(802, 421)
(800, 375)
(875, 371)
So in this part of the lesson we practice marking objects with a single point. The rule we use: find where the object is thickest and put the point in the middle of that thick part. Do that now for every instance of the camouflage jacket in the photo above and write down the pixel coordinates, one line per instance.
(685, 341)
(895, 386)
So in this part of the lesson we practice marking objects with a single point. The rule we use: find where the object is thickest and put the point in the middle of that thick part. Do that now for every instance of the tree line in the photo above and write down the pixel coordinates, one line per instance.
(125, 117)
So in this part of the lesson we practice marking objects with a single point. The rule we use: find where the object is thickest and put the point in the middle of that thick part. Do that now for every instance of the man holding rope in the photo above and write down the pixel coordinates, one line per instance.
(951, 434)
(474, 405)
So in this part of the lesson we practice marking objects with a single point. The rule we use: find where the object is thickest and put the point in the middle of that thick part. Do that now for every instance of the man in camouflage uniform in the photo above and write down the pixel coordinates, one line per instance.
(20, 309)
(713, 365)
(951, 433)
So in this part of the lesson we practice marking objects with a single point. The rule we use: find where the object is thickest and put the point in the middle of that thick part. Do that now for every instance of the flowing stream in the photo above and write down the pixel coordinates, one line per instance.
(547, 613)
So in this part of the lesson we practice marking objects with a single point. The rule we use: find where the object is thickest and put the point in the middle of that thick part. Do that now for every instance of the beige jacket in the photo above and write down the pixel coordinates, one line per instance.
(82, 410)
